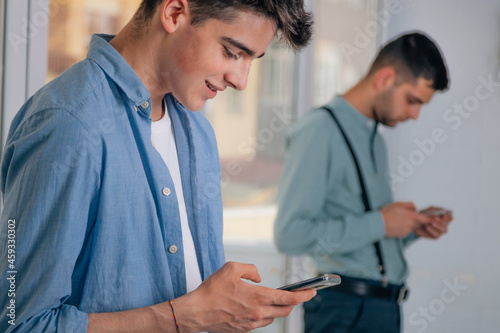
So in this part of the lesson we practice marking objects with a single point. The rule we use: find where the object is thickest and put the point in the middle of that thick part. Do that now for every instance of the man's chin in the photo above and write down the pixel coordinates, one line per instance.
(389, 123)
(194, 107)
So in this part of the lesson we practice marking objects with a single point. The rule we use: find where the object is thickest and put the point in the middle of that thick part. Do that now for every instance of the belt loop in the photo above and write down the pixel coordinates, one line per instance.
(403, 294)
(385, 281)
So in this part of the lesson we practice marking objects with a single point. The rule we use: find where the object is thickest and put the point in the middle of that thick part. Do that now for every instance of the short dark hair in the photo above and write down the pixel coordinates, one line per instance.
(293, 22)
(414, 55)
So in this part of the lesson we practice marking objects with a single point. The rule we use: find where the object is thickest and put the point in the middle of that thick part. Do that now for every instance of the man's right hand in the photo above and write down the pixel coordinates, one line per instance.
(226, 303)
(222, 303)
(401, 218)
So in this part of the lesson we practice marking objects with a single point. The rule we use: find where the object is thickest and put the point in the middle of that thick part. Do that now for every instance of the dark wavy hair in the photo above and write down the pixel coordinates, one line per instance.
(414, 55)
(293, 22)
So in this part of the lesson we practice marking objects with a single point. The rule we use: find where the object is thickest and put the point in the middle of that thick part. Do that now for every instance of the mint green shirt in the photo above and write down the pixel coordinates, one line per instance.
(321, 212)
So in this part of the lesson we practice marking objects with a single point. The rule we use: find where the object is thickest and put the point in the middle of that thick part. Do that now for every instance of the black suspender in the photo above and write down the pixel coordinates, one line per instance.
(364, 193)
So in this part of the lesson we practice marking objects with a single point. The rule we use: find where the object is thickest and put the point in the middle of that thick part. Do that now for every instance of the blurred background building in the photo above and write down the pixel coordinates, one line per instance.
(72, 24)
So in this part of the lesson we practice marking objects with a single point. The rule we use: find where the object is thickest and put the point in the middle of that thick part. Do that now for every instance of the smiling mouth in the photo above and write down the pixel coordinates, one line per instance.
(210, 86)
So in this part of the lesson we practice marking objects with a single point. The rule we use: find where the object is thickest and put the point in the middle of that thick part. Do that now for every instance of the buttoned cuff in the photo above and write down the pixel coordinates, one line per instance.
(376, 224)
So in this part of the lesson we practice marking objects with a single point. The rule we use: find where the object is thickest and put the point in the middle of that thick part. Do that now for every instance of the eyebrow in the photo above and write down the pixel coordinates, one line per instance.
(418, 100)
(241, 46)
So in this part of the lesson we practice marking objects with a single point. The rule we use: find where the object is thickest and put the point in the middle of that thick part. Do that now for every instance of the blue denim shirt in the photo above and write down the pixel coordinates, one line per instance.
(93, 206)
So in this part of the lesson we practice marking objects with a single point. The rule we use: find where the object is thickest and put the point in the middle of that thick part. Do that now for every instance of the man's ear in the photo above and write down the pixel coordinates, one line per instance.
(384, 78)
(174, 13)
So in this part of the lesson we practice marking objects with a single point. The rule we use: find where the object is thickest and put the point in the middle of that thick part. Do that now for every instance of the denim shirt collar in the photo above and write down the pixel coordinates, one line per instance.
(117, 68)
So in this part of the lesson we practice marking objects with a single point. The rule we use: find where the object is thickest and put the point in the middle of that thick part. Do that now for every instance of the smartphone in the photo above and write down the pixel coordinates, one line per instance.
(320, 282)
(437, 212)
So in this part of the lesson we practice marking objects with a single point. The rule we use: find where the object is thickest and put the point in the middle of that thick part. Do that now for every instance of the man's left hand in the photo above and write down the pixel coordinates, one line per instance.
(435, 229)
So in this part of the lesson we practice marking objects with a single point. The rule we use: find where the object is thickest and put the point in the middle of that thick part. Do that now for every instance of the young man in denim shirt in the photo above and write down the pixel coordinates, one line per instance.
(117, 224)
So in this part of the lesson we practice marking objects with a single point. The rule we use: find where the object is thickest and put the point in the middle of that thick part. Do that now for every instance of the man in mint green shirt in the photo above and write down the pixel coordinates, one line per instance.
(335, 203)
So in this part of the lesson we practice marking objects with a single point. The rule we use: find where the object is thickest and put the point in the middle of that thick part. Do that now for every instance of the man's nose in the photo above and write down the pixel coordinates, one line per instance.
(238, 76)
(414, 112)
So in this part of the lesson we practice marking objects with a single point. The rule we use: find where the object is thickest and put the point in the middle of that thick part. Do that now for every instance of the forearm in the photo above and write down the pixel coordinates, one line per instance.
(312, 218)
(155, 318)
(302, 234)
(223, 303)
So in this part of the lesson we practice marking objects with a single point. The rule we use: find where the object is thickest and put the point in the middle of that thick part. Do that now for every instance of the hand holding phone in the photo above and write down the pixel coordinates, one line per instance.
(320, 282)
(439, 218)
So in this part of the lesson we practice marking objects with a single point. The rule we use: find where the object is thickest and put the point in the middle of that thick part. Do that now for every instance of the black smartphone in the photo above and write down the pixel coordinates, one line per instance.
(320, 282)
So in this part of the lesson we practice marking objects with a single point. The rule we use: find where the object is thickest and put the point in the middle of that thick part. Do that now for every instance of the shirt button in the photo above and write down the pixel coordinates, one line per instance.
(166, 191)
(172, 249)
(145, 105)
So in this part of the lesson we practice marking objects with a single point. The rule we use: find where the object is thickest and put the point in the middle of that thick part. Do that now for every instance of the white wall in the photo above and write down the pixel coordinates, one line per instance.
(454, 280)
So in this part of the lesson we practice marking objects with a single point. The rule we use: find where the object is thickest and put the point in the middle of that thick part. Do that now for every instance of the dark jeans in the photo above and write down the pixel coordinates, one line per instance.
(331, 311)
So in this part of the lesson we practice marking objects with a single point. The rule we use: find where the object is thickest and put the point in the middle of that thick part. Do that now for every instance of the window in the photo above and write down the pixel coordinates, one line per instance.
(250, 126)
(345, 42)
(251, 142)
(72, 24)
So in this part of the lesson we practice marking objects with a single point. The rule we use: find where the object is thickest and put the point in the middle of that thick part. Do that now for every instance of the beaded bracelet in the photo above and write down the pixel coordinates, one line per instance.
(175, 318)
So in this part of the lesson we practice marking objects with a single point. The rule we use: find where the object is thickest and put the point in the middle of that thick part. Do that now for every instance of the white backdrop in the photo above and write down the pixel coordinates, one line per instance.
(451, 157)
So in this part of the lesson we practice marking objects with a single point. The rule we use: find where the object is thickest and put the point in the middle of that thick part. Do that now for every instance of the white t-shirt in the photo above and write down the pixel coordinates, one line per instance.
(162, 137)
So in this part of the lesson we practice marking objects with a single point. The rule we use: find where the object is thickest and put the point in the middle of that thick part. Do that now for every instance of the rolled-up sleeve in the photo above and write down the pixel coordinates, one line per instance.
(49, 186)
